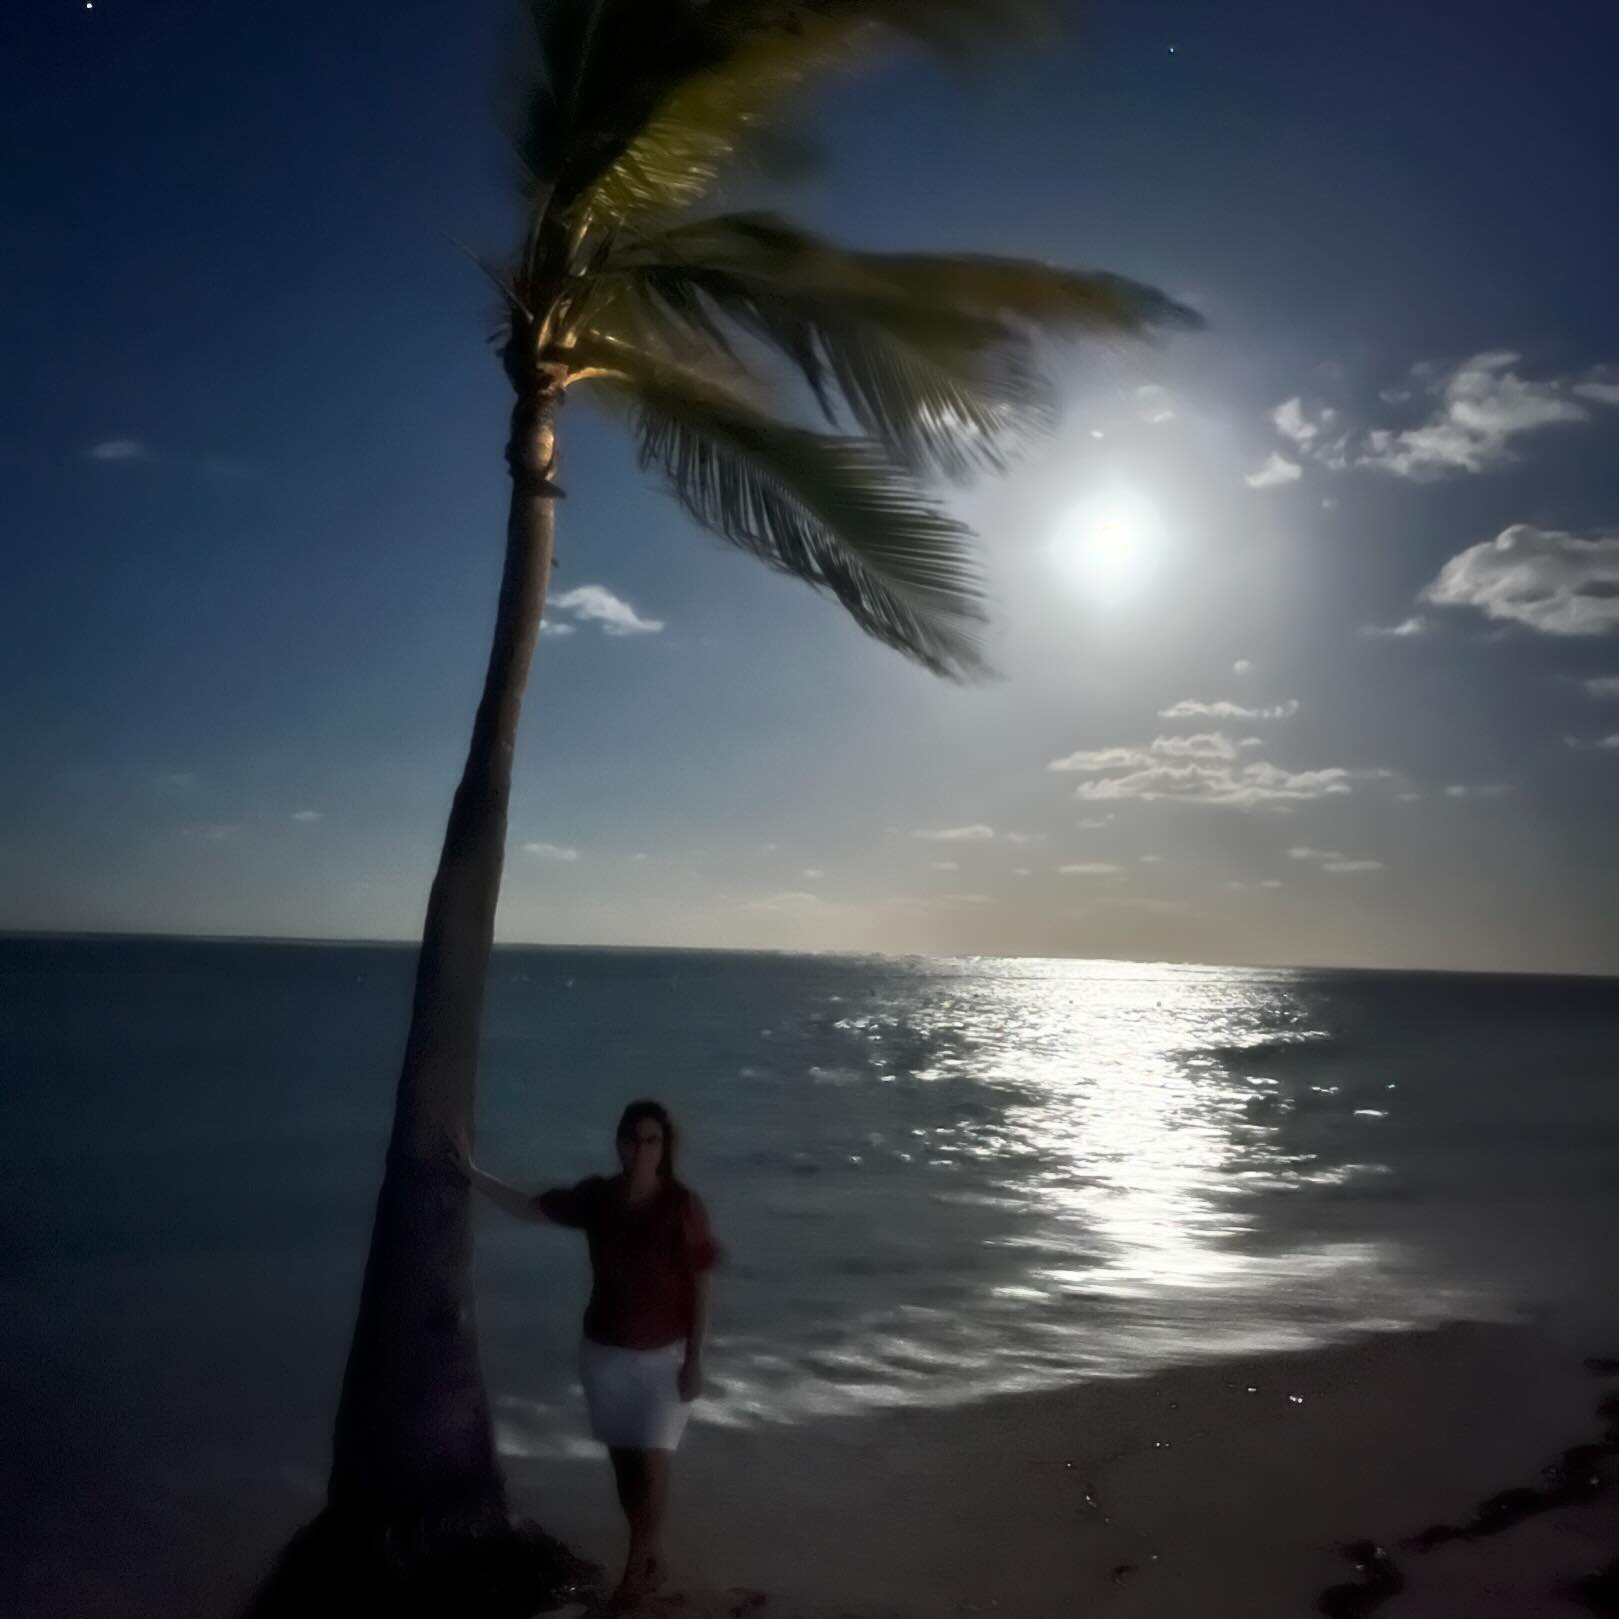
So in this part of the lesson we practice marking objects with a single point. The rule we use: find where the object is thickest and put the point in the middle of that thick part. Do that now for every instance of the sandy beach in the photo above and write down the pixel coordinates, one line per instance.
(1224, 1492)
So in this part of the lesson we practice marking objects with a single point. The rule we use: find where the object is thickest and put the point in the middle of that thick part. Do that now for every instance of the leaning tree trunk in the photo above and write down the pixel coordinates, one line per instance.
(413, 1435)
(415, 1482)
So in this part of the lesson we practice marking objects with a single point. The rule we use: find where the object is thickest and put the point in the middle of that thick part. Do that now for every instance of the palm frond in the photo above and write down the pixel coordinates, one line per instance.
(833, 511)
(672, 153)
(638, 107)
(1039, 296)
(933, 354)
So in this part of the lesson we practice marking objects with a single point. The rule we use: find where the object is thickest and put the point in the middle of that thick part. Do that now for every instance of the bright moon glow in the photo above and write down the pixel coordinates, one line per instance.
(1109, 545)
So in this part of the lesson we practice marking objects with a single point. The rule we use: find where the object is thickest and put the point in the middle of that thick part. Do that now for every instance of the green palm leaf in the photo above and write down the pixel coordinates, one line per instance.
(936, 355)
(833, 511)
(637, 106)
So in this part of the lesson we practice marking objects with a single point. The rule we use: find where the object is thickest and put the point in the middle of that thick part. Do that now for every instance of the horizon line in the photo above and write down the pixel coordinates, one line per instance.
(135, 935)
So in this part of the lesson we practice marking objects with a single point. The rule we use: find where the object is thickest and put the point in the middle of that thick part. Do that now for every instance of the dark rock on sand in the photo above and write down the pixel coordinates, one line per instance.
(1576, 1475)
(1436, 1534)
(1502, 1511)
(1380, 1580)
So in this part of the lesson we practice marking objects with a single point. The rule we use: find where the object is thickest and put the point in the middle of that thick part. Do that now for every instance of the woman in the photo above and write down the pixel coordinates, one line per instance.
(641, 1363)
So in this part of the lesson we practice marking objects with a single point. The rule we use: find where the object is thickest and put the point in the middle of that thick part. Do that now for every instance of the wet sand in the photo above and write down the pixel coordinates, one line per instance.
(1216, 1492)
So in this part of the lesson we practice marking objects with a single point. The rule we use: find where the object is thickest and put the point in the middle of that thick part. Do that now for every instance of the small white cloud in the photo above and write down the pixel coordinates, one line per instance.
(1022, 871)
(1488, 789)
(1600, 385)
(1098, 759)
(117, 449)
(551, 851)
(306, 817)
(1243, 666)
(1201, 745)
(1151, 859)
(1332, 860)
(977, 833)
(1190, 709)
(813, 874)
(1025, 837)
(551, 630)
(1598, 744)
(1603, 687)
(596, 604)
(1271, 882)
(1126, 773)
(1276, 471)
(1471, 415)
(1303, 424)
(1154, 404)
(1483, 406)
(771, 848)
(217, 832)
(640, 854)
(1416, 624)
(1090, 868)
(791, 900)
(1545, 579)
(1095, 823)
(945, 865)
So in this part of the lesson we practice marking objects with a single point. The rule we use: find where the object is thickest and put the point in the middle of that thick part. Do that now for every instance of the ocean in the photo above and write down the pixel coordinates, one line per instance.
(935, 1181)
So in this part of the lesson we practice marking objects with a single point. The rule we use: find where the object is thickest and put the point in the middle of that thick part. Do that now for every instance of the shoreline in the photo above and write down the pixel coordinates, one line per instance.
(1206, 1492)
(1233, 1490)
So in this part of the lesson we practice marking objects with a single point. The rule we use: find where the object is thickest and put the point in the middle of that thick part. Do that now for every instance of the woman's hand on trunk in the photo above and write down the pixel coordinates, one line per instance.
(458, 1154)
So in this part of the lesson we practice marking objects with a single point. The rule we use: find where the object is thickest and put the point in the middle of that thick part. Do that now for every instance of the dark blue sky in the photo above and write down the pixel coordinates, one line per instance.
(252, 434)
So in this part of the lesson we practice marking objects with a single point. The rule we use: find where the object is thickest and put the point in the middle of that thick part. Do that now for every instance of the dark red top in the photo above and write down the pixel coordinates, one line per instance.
(644, 1260)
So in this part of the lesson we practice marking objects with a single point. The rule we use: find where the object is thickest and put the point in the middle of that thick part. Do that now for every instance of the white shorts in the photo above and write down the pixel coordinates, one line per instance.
(633, 1395)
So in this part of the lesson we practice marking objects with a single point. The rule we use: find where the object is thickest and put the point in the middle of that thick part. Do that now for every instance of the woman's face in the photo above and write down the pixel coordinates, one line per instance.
(640, 1149)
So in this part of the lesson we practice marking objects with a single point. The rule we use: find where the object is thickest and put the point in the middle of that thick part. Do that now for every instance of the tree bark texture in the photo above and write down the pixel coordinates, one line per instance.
(413, 1441)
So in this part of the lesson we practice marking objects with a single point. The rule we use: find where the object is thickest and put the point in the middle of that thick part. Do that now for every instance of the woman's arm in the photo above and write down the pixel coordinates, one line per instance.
(513, 1199)
(691, 1370)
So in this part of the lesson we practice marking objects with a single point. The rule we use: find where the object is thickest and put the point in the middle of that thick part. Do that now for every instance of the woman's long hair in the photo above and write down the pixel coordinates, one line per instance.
(659, 1114)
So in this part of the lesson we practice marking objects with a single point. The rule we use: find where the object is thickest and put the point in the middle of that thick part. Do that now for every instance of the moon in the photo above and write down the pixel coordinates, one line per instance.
(1109, 545)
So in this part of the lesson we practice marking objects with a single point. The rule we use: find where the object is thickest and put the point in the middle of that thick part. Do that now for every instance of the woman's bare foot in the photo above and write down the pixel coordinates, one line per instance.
(637, 1585)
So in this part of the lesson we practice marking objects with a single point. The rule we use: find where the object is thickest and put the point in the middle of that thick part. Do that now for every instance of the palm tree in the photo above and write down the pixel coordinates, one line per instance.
(700, 329)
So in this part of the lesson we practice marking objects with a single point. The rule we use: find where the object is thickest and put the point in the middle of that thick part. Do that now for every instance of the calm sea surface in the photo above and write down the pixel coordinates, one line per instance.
(935, 1179)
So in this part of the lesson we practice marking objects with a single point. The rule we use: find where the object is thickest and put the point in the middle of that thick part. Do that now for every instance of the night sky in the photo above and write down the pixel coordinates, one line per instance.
(1308, 626)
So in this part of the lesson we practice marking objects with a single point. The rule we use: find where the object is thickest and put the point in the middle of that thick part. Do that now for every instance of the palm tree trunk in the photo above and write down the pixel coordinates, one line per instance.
(413, 1442)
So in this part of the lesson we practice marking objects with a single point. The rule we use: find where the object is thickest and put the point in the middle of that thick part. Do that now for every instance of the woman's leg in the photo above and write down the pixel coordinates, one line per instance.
(623, 1476)
(642, 1477)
